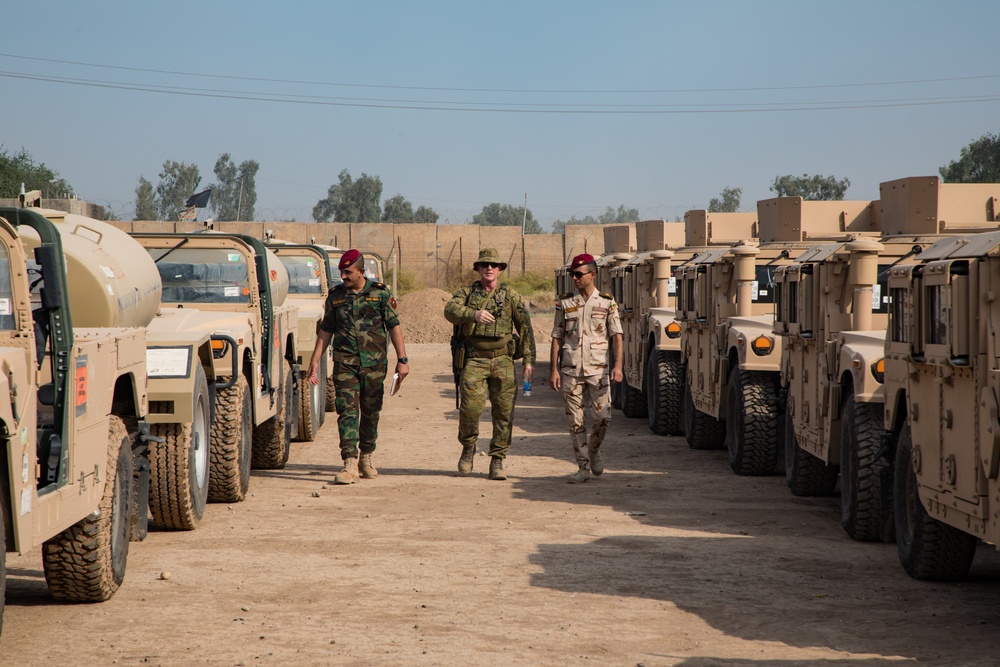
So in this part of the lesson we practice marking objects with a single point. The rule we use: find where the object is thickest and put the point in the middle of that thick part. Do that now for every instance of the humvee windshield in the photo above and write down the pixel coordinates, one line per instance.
(303, 274)
(203, 275)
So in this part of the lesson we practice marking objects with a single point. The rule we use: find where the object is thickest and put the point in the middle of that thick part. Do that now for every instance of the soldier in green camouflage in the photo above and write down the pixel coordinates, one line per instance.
(487, 314)
(359, 316)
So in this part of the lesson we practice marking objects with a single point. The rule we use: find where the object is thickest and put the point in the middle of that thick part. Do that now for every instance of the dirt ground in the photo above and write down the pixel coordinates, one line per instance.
(669, 559)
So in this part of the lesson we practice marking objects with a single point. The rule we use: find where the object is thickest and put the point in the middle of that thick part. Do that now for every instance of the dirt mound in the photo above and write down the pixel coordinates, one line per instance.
(422, 315)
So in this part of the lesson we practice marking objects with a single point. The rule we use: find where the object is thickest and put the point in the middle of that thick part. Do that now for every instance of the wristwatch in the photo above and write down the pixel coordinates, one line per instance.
(403, 360)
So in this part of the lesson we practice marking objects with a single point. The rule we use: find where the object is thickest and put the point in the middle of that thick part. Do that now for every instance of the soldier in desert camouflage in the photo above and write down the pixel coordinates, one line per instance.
(487, 314)
(584, 322)
(360, 315)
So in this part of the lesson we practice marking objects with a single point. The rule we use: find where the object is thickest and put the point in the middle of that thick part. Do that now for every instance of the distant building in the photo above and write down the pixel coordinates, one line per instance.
(75, 206)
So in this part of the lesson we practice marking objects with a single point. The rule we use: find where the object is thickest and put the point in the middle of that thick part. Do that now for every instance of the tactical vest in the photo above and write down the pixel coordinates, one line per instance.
(490, 336)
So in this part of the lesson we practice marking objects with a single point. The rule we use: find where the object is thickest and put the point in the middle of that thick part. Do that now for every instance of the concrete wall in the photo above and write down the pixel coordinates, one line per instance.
(438, 254)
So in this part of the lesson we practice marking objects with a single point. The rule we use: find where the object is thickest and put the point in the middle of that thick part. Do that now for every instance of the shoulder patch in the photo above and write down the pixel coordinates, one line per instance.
(379, 286)
(607, 296)
(567, 295)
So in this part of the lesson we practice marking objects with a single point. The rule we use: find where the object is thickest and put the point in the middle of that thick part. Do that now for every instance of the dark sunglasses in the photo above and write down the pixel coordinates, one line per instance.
(580, 274)
(492, 265)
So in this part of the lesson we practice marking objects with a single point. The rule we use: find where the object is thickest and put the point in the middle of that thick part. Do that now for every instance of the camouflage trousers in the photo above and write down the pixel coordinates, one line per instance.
(495, 377)
(358, 399)
(595, 390)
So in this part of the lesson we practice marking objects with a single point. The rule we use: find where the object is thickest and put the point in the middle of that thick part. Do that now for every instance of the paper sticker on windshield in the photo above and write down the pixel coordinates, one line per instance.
(5, 306)
(234, 257)
(231, 291)
(876, 296)
(755, 291)
(314, 282)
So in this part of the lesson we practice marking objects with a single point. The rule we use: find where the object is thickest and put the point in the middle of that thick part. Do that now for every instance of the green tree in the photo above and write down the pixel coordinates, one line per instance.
(425, 214)
(234, 196)
(21, 168)
(728, 201)
(505, 215)
(397, 209)
(610, 216)
(178, 181)
(979, 162)
(351, 201)
(810, 187)
(145, 202)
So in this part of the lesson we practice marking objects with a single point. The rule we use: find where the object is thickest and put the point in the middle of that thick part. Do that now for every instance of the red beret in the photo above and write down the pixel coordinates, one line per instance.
(348, 259)
(580, 260)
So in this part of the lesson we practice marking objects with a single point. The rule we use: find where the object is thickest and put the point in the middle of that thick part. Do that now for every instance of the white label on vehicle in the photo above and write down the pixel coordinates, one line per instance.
(231, 291)
(314, 282)
(672, 285)
(876, 296)
(755, 291)
(310, 262)
(4, 306)
(108, 271)
(24, 469)
(110, 290)
(25, 501)
(167, 361)
(234, 257)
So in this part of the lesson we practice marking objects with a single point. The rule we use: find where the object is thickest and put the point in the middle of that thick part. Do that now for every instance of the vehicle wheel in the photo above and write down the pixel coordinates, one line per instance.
(272, 439)
(331, 388)
(633, 401)
(928, 549)
(866, 481)
(312, 404)
(179, 466)
(752, 423)
(86, 562)
(664, 374)
(701, 431)
(806, 474)
(231, 436)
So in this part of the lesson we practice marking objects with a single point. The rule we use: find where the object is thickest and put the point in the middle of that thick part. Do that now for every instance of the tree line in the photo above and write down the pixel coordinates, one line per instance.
(234, 192)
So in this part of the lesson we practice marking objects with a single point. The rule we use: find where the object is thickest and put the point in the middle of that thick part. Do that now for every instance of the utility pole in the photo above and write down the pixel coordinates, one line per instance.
(239, 202)
(524, 219)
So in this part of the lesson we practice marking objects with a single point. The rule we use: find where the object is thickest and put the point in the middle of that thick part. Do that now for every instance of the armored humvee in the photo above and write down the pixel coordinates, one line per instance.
(646, 288)
(231, 288)
(73, 440)
(832, 315)
(731, 354)
(310, 278)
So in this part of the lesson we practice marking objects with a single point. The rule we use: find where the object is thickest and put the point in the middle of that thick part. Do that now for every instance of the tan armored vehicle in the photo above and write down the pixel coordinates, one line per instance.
(832, 317)
(941, 375)
(374, 264)
(732, 356)
(646, 288)
(73, 449)
(223, 320)
(310, 279)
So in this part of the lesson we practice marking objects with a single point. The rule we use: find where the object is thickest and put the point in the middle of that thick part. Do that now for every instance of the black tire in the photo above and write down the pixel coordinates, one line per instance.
(633, 401)
(664, 378)
(805, 474)
(865, 481)
(231, 438)
(179, 466)
(86, 562)
(312, 404)
(752, 422)
(272, 439)
(700, 430)
(928, 549)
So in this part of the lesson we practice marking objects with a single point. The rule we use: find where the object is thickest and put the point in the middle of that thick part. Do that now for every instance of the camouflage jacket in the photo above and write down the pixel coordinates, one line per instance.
(504, 303)
(360, 323)
(585, 325)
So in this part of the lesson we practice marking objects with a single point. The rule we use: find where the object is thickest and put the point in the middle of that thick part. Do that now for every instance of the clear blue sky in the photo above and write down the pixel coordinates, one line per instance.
(679, 99)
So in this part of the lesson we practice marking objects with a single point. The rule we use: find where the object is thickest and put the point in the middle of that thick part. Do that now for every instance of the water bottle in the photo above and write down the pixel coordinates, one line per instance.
(526, 390)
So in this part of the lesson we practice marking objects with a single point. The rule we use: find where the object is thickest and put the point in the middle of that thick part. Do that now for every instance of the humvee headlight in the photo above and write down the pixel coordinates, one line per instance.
(673, 330)
(762, 346)
(878, 370)
(168, 362)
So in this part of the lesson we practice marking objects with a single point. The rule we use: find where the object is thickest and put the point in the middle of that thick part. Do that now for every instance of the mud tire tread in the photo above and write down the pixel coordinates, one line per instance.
(633, 401)
(805, 474)
(865, 488)
(701, 431)
(752, 420)
(665, 375)
(272, 439)
(229, 478)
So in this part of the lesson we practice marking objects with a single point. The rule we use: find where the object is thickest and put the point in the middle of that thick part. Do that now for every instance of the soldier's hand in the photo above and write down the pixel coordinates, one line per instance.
(529, 372)
(617, 375)
(484, 317)
(403, 370)
(555, 381)
(313, 378)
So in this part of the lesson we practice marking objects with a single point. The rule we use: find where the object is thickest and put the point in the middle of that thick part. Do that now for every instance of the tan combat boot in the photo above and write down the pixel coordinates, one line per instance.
(596, 462)
(466, 460)
(365, 467)
(350, 473)
(496, 469)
